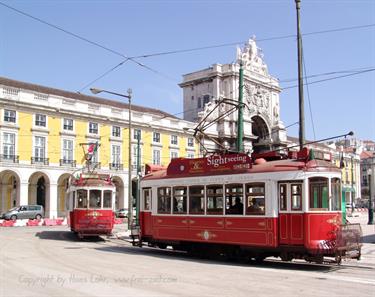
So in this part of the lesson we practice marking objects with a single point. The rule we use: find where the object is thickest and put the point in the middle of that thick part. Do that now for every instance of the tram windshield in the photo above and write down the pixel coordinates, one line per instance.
(93, 198)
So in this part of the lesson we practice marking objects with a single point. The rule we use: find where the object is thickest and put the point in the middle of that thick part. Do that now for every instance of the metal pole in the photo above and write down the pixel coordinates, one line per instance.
(138, 180)
(352, 189)
(370, 209)
(240, 113)
(300, 81)
(130, 196)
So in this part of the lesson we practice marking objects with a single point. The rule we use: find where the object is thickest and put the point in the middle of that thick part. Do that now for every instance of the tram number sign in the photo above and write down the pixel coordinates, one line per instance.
(214, 164)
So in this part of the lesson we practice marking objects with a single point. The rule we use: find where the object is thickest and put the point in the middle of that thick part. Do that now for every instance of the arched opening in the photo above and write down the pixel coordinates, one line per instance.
(62, 186)
(119, 200)
(9, 190)
(260, 129)
(39, 190)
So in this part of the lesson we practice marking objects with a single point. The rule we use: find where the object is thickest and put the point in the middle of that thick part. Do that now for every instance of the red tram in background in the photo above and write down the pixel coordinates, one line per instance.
(275, 206)
(91, 204)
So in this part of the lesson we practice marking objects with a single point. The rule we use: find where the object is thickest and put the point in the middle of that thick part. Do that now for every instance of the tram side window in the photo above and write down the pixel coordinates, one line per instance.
(282, 197)
(336, 196)
(296, 196)
(179, 200)
(95, 198)
(318, 193)
(82, 198)
(196, 200)
(255, 199)
(214, 200)
(107, 199)
(146, 199)
(164, 200)
(234, 199)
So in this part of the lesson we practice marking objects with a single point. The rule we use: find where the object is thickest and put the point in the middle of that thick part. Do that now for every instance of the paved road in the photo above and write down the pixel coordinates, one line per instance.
(51, 261)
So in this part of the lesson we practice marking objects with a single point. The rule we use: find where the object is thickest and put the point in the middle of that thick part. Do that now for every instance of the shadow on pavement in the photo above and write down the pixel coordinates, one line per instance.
(369, 238)
(66, 236)
(183, 256)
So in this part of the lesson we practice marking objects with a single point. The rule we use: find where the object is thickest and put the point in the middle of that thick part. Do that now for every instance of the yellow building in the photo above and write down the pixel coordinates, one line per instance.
(44, 132)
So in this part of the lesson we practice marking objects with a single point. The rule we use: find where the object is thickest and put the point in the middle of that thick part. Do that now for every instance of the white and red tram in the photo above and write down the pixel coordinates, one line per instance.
(91, 204)
(290, 208)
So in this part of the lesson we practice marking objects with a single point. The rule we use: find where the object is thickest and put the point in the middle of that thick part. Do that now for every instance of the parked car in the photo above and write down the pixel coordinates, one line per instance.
(121, 213)
(24, 212)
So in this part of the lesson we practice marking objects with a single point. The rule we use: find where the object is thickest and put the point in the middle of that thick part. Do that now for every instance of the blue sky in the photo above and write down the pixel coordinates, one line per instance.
(34, 52)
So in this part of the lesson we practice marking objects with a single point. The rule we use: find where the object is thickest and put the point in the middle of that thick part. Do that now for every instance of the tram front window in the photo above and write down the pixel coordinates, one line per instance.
(107, 199)
(95, 197)
(318, 193)
(82, 198)
(336, 196)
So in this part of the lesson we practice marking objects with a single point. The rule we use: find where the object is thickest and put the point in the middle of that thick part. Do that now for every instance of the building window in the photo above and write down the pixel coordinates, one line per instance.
(174, 139)
(67, 150)
(206, 99)
(135, 156)
(137, 133)
(68, 124)
(9, 147)
(190, 142)
(40, 148)
(9, 116)
(116, 154)
(40, 120)
(93, 128)
(174, 155)
(156, 157)
(199, 102)
(156, 137)
(116, 131)
(190, 156)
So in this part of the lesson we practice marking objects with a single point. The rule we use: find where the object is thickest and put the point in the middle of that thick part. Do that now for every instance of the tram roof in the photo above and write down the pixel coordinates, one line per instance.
(262, 167)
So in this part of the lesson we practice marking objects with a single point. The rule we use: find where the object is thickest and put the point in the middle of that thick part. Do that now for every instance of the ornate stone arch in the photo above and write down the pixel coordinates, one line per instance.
(39, 190)
(260, 129)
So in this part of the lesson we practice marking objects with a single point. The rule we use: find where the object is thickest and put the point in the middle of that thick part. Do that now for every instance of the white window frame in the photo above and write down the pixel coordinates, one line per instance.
(11, 144)
(91, 128)
(156, 160)
(63, 124)
(65, 150)
(114, 128)
(113, 154)
(153, 137)
(174, 139)
(36, 120)
(10, 117)
(44, 148)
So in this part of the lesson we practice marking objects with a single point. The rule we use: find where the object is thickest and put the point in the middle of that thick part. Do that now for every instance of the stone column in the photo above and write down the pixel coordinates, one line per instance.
(24, 193)
(51, 212)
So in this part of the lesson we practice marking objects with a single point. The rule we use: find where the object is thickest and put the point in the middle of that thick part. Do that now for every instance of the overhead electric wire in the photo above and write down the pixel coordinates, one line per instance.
(178, 51)
(84, 39)
(332, 78)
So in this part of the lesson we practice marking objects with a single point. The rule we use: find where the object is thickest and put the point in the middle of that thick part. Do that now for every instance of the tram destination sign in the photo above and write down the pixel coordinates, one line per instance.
(213, 164)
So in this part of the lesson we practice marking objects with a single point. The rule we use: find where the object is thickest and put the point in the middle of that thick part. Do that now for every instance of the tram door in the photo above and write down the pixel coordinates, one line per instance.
(290, 213)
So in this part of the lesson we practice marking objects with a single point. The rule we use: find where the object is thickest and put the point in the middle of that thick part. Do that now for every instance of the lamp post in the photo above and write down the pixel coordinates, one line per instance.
(370, 173)
(130, 198)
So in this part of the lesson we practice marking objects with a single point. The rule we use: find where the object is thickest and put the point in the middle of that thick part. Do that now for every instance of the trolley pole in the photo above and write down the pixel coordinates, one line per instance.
(300, 81)
(240, 112)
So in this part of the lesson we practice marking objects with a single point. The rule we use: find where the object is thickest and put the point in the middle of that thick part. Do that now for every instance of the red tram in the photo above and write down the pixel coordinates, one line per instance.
(91, 204)
(288, 208)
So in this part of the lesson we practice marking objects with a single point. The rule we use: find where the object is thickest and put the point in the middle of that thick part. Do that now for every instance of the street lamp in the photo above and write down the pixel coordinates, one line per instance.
(130, 198)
